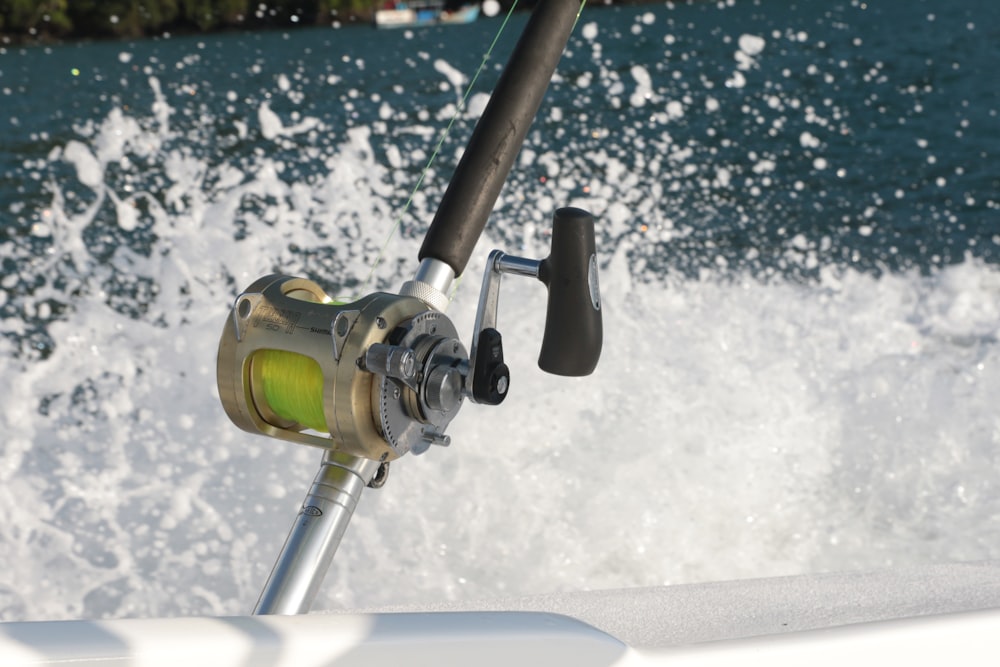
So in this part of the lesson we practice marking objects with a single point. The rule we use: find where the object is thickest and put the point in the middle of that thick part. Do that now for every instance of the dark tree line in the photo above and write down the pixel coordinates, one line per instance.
(41, 20)
(68, 19)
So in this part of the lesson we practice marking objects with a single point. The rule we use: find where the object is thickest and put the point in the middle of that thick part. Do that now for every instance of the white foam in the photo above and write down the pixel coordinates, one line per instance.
(751, 45)
(644, 86)
(736, 427)
(272, 127)
(88, 170)
(476, 105)
(452, 74)
(808, 140)
(736, 80)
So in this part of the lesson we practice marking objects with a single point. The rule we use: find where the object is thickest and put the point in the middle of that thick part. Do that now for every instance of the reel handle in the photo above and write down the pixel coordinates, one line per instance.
(571, 344)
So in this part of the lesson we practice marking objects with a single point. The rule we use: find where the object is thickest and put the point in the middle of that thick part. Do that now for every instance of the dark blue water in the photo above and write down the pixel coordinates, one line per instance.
(799, 230)
(896, 98)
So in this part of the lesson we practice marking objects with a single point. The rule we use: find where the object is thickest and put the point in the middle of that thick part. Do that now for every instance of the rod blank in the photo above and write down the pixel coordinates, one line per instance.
(497, 138)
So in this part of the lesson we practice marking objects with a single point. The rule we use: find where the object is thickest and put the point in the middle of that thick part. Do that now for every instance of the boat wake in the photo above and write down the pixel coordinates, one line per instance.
(764, 405)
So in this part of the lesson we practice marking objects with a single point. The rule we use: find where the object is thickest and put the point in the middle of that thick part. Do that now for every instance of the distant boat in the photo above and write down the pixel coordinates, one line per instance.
(463, 14)
(423, 13)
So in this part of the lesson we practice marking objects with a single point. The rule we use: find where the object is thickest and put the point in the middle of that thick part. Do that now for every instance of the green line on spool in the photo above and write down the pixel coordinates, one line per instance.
(293, 387)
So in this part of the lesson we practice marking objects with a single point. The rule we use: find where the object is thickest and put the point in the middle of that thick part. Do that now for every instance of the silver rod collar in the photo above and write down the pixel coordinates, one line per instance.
(313, 540)
(430, 284)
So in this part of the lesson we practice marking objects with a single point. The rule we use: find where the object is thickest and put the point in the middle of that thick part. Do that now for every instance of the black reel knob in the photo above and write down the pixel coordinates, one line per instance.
(574, 333)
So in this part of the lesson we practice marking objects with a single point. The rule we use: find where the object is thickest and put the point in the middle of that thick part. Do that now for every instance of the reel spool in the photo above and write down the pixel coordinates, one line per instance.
(374, 378)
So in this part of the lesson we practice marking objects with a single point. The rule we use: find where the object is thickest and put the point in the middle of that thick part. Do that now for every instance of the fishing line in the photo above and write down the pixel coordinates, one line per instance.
(437, 148)
(292, 387)
(291, 384)
(444, 136)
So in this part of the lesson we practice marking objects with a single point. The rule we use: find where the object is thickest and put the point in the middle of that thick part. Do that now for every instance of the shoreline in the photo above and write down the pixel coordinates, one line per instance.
(18, 40)
(337, 19)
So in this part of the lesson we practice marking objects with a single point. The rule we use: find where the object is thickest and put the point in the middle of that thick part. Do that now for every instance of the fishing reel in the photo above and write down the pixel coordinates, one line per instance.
(385, 375)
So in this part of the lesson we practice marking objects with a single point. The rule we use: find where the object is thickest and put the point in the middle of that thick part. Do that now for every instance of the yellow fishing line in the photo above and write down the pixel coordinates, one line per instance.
(293, 387)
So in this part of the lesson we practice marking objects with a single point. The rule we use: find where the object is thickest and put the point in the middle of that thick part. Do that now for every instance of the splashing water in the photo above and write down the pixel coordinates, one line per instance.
(799, 243)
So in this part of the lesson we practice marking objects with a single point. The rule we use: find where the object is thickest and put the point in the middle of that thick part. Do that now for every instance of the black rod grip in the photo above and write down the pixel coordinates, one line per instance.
(496, 141)
(574, 330)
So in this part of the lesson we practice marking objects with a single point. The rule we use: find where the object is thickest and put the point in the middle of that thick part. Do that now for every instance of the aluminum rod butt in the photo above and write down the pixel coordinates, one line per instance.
(496, 141)
(313, 540)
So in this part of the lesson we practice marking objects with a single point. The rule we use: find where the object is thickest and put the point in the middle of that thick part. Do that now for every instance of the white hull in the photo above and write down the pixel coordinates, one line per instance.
(935, 615)
(410, 17)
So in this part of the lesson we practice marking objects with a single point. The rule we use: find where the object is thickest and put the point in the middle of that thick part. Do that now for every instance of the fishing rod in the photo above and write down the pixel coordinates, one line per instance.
(372, 380)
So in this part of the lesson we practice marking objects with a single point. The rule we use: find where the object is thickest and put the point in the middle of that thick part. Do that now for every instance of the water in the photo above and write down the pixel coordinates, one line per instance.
(799, 227)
